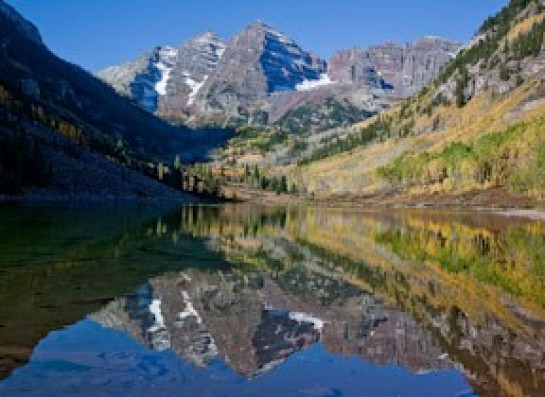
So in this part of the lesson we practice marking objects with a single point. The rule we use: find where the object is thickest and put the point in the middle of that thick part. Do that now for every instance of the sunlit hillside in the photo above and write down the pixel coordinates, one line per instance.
(478, 126)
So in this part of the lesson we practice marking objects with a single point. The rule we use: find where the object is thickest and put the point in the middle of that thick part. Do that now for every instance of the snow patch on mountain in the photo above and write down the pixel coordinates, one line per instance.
(211, 41)
(189, 310)
(161, 86)
(165, 63)
(195, 87)
(308, 85)
(155, 309)
(317, 323)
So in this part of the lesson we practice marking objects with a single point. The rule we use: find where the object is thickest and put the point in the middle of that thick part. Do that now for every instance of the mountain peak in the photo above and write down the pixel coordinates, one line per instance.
(220, 81)
(165, 50)
(263, 27)
(207, 37)
(260, 24)
(208, 41)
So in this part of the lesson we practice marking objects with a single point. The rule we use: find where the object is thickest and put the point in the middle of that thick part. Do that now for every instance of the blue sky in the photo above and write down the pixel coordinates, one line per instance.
(99, 33)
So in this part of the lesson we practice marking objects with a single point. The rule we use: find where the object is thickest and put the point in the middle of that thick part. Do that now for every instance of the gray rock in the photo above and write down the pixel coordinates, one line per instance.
(263, 77)
(197, 59)
(257, 62)
(484, 72)
(407, 68)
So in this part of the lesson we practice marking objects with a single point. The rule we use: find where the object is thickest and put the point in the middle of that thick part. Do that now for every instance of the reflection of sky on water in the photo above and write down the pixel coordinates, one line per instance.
(87, 360)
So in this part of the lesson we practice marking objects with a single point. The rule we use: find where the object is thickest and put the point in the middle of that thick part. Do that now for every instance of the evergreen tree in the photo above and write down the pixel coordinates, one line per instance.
(505, 73)
(461, 85)
(293, 189)
(284, 184)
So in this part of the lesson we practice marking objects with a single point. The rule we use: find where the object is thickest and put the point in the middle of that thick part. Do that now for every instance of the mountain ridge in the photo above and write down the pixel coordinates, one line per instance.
(262, 69)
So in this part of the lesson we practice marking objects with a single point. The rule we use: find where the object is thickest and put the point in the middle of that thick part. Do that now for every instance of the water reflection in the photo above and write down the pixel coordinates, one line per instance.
(59, 264)
(474, 281)
(288, 301)
(255, 320)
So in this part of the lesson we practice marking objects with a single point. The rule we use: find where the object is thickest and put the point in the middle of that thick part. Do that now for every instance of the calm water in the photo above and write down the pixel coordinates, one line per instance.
(247, 301)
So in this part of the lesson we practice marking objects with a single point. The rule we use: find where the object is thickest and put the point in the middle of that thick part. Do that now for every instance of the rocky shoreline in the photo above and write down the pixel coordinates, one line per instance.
(496, 199)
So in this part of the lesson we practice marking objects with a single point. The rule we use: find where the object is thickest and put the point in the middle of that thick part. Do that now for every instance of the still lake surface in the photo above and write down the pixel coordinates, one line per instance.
(240, 300)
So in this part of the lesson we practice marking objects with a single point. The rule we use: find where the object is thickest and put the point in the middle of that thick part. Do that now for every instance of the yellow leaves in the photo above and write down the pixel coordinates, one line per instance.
(355, 173)
(352, 234)
(524, 26)
(4, 95)
(70, 131)
(436, 172)
(38, 114)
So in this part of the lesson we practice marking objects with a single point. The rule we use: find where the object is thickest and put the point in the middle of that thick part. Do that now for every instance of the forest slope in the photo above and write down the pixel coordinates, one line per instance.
(478, 126)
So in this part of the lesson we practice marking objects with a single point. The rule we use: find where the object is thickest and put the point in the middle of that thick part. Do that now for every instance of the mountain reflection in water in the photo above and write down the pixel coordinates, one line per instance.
(243, 301)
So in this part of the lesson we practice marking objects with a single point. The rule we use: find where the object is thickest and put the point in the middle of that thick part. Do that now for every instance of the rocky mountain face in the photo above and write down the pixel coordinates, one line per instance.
(263, 77)
(145, 79)
(406, 68)
(196, 60)
(167, 79)
(279, 63)
(257, 62)
(506, 52)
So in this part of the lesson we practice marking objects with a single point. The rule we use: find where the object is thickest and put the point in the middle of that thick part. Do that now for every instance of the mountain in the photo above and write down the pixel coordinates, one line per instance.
(63, 129)
(143, 80)
(263, 77)
(407, 68)
(166, 79)
(360, 83)
(197, 59)
(474, 135)
(257, 62)
(19, 25)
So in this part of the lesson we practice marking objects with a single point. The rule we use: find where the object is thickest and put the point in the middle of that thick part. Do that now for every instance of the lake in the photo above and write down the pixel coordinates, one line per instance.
(241, 300)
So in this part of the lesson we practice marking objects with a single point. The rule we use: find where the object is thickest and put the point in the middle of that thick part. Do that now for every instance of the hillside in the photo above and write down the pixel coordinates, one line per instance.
(478, 126)
(66, 132)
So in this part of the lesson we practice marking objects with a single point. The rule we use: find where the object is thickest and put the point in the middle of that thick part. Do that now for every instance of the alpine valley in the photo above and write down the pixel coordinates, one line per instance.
(452, 126)
(240, 216)
(257, 117)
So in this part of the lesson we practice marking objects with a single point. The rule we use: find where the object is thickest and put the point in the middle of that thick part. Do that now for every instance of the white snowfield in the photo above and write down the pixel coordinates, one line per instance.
(167, 60)
(189, 310)
(195, 87)
(155, 309)
(305, 318)
(161, 86)
(309, 85)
